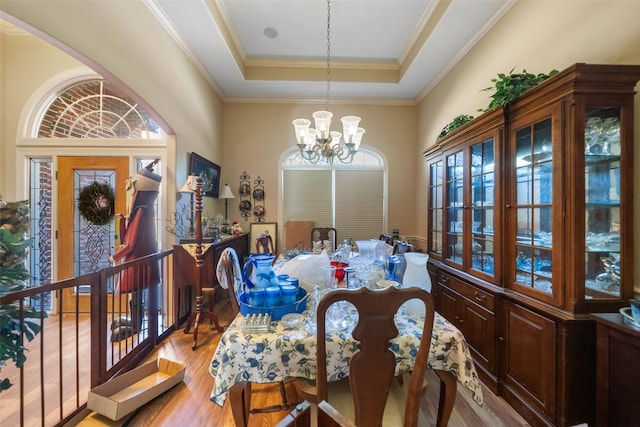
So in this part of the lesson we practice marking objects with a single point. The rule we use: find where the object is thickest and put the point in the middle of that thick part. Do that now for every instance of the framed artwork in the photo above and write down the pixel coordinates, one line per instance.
(259, 228)
(208, 171)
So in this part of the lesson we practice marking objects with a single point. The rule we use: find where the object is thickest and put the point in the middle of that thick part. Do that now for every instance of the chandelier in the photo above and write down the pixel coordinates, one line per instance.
(320, 143)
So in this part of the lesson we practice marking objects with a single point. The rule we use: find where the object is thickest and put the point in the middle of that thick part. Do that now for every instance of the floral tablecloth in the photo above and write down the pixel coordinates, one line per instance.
(284, 353)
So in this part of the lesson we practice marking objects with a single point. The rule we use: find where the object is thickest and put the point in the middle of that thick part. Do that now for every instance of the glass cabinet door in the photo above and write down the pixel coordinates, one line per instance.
(482, 206)
(454, 186)
(602, 202)
(435, 207)
(534, 206)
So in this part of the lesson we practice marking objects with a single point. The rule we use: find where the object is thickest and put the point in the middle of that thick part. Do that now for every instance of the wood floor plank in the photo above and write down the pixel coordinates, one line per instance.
(188, 404)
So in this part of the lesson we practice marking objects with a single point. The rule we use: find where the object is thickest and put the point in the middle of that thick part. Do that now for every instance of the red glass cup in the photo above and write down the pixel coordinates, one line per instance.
(339, 271)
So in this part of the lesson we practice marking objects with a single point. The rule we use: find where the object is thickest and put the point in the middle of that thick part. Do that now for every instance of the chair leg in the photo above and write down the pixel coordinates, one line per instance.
(276, 408)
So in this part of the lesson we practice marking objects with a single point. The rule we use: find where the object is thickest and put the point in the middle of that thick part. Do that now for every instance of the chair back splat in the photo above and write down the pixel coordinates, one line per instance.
(228, 267)
(322, 234)
(372, 368)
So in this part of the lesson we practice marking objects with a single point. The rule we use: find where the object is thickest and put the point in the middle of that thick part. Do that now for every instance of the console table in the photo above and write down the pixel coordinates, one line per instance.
(184, 268)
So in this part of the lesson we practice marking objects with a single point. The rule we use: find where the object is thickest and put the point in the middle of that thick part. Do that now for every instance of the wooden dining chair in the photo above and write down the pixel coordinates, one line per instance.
(300, 416)
(400, 247)
(322, 234)
(387, 238)
(327, 416)
(372, 384)
(228, 267)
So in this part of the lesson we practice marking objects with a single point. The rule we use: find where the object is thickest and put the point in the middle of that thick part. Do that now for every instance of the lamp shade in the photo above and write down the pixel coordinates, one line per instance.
(189, 186)
(226, 193)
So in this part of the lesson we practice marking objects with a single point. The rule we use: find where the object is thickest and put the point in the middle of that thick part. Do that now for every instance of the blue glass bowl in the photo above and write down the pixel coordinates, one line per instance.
(635, 308)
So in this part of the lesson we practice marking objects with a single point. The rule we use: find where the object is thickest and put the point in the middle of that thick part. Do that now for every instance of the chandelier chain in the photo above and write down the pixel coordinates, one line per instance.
(328, 52)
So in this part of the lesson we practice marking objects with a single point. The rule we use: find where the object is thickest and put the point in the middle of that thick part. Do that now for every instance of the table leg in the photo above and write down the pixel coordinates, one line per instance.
(448, 390)
(240, 400)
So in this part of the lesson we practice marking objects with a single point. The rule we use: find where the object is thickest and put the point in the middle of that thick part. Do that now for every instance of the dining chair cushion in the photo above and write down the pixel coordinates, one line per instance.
(340, 404)
(320, 245)
(341, 399)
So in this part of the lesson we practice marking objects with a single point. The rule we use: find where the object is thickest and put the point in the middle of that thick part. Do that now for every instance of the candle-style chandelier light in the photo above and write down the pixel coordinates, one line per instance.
(320, 144)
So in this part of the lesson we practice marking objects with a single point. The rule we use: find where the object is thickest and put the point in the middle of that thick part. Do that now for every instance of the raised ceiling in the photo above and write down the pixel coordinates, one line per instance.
(382, 50)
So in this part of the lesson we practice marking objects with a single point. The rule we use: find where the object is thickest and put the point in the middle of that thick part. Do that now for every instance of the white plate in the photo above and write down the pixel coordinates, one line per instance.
(384, 284)
(292, 320)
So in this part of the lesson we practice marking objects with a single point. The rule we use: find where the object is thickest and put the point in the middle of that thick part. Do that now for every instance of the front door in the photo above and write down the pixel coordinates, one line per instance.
(85, 238)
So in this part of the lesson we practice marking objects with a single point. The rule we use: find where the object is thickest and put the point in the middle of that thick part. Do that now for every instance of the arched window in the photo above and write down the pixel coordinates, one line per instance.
(351, 198)
(95, 109)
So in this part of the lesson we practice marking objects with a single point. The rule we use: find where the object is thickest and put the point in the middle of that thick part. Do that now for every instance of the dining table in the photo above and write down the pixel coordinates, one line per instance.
(284, 352)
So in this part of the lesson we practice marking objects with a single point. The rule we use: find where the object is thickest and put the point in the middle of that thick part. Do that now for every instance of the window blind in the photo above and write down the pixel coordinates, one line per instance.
(352, 201)
(307, 196)
(359, 198)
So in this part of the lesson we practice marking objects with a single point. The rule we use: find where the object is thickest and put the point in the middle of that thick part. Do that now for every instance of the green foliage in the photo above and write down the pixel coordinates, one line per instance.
(454, 124)
(507, 87)
(14, 226)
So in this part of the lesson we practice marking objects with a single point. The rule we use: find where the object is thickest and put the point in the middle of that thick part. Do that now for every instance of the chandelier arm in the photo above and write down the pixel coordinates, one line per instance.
(345, 156)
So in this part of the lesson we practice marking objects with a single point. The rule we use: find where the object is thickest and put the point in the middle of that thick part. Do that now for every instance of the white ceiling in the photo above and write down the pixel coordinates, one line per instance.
(381, 50)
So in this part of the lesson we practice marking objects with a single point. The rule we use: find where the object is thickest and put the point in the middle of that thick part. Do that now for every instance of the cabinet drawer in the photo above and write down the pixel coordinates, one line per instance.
(477, 295)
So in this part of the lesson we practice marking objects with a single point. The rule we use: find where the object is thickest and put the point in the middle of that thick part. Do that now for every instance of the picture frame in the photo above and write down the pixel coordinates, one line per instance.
(257, 228)
(208, 171)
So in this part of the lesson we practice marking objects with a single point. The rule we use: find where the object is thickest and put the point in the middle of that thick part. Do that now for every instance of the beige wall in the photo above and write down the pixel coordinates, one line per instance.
(257, 135)
(149, 65)
(534, 35)
(537, 36)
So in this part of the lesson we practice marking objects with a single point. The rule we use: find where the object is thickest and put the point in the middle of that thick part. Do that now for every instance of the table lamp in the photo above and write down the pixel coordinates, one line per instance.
(226, 194)
(190, 187)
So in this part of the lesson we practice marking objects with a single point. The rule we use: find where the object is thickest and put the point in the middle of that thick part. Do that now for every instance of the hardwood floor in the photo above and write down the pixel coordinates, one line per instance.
(188, 403)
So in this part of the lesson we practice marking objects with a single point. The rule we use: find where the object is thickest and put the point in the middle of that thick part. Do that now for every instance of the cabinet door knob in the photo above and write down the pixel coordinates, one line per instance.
(501, 339)
(508, 206)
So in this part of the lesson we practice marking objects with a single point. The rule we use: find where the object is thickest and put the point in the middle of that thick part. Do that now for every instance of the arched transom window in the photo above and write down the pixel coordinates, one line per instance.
(96, 109)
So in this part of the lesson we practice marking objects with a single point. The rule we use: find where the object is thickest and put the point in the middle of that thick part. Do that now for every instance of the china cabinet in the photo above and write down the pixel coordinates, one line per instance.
(530, 229)
(464, 217)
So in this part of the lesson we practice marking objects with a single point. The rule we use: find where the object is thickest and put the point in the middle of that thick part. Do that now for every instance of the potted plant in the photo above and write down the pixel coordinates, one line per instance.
(507, 87)
(14, 227)
(454, 124)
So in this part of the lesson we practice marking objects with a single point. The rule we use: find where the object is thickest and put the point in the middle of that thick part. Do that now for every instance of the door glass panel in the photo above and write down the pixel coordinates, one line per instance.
(455, 187)
(482, 188)
(534, 214)
(93, 242)
(436, 206)
(602, 202)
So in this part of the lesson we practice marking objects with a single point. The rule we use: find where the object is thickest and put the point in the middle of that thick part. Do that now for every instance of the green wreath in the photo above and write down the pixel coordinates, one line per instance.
(96, 203)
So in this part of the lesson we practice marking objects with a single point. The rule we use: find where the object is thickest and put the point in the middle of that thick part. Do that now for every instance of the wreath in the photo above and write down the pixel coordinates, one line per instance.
(96, 203)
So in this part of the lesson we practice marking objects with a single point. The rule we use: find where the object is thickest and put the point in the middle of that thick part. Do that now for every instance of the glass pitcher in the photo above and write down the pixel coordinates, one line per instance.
(258, 271)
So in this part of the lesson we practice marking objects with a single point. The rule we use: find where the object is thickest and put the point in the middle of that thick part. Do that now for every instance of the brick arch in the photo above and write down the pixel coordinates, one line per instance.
(95, 108)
